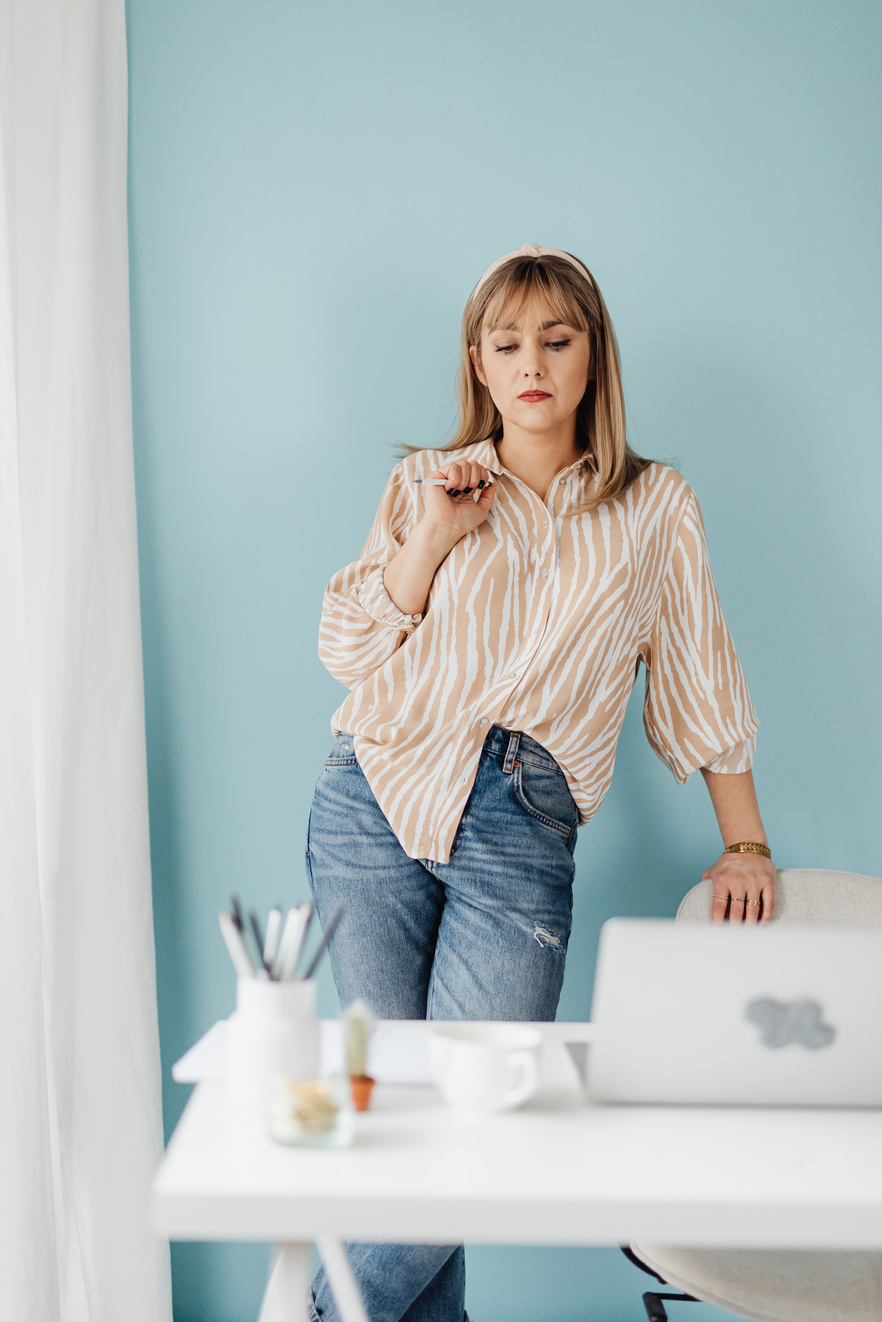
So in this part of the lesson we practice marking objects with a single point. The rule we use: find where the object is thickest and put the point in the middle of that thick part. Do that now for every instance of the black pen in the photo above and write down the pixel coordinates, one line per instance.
(325, 942)
(443, 481)
(235, 944)
(258, 939)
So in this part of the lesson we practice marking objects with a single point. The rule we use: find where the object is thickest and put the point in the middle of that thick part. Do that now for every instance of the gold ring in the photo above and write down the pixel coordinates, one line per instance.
(755, 903)
(737, 899)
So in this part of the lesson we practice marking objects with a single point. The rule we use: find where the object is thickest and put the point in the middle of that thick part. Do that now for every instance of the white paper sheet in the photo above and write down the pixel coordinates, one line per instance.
(398, 1053)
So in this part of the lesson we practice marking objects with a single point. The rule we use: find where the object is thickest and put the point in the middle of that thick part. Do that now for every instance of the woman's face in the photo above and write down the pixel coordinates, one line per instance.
(535, 367)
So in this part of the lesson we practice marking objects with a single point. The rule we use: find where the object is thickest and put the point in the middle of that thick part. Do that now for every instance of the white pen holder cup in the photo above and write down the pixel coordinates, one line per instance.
(273, 1034)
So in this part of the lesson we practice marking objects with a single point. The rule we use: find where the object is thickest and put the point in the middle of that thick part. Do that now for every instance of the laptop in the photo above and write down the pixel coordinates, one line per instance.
(762, 1015)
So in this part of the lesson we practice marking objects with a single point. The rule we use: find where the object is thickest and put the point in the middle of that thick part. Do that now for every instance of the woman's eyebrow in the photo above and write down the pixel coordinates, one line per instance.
(511, 326)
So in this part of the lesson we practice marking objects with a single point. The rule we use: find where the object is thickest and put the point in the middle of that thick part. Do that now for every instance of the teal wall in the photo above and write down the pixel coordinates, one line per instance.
(314, 189)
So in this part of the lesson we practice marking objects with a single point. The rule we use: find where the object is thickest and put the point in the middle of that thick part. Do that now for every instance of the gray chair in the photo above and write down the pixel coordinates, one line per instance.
(771, 1285)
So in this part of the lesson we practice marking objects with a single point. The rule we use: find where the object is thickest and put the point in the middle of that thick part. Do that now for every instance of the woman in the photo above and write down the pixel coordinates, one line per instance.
(491, 633)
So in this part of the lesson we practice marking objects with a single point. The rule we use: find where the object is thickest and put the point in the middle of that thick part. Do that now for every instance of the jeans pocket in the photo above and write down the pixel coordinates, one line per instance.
(545, 795)
(343, 752)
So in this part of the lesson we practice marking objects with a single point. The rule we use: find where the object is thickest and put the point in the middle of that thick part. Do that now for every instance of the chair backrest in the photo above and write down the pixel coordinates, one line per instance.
(806, 895)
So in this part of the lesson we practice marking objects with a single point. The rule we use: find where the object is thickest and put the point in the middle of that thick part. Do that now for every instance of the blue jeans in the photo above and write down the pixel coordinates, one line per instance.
(483, 936)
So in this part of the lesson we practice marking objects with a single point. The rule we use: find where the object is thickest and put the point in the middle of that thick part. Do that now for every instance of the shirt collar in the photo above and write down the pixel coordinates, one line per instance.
(485, 454)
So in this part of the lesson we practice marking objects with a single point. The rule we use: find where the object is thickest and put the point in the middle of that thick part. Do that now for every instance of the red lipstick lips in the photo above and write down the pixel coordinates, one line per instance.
(533, 396)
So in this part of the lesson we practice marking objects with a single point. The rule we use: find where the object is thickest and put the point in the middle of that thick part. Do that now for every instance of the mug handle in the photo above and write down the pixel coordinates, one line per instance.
(526, 1086)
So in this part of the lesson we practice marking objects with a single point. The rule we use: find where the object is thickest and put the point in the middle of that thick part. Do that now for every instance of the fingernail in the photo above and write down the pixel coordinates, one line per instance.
(481, 484)
(468, 491)
(456, 493)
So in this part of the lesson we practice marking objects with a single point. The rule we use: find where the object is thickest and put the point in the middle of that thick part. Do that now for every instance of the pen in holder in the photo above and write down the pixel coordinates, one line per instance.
(273, 1035)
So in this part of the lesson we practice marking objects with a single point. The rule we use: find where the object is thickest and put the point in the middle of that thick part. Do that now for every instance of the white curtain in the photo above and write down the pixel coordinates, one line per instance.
(80, 1130)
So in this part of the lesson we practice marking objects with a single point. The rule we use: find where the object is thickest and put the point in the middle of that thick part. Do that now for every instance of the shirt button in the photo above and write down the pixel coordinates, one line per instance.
(544, 523)
(483, 720)
(513, 675)
(562, 482)
(544, 574)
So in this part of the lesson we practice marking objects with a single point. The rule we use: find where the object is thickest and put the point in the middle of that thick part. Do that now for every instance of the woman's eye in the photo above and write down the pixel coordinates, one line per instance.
(505, 348)
(559, 344)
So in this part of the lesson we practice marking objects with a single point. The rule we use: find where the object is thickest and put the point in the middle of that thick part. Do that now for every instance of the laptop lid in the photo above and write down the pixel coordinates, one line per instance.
(708, 1013)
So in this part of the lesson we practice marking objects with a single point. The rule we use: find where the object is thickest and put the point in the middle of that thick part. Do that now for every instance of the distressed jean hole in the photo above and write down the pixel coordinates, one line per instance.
(544, 938)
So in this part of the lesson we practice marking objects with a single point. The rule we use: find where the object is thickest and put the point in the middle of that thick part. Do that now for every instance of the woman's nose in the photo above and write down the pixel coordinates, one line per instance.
(532, 359)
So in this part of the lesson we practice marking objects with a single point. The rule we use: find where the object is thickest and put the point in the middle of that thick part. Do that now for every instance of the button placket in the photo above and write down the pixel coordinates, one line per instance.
(539, 612)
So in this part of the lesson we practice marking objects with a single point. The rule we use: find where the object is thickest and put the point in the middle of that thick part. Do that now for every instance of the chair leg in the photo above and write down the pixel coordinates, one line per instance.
(655, 1309)
(638, 1262)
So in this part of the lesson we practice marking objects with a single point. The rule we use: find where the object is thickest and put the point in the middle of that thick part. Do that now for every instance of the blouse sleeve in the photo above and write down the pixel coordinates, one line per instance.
(697, 710)
(361, 627)
(739, 758)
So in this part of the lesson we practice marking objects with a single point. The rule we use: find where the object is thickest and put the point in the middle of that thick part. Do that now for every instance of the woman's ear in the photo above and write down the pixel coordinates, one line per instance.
(476, 363)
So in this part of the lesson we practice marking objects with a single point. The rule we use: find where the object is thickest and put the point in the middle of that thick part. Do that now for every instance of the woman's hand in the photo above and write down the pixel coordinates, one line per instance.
(451, 508)
(750, 881)
(748, 878)
(450, 513)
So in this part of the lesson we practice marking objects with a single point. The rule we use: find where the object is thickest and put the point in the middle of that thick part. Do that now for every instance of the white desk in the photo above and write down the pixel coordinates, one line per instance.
(555, 1172)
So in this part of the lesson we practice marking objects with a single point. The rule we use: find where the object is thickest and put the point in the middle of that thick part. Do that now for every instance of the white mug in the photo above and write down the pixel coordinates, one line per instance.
(485, 1067)
(273, 1034)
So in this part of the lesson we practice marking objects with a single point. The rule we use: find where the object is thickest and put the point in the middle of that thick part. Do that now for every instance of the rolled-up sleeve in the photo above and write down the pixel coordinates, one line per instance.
(697, 711)
(361, 627)
(736, 759)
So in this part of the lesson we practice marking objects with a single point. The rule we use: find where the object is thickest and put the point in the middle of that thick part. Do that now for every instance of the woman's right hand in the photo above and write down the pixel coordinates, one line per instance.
(447, 517)
(451, 508)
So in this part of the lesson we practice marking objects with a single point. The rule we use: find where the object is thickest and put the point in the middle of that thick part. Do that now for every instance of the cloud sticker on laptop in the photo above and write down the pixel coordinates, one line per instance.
(794, 1023)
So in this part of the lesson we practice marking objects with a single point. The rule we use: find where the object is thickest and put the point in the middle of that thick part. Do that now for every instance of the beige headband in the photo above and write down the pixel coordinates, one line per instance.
(531, 250)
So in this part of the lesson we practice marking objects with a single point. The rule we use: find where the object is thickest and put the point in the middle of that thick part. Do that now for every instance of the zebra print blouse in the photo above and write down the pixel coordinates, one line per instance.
(537, 621)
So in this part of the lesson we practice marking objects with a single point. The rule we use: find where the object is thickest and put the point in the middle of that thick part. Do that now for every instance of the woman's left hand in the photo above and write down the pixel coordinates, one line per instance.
(749, 879)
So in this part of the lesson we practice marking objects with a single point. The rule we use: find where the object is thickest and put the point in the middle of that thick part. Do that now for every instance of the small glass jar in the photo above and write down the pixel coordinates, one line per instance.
(312, 1113)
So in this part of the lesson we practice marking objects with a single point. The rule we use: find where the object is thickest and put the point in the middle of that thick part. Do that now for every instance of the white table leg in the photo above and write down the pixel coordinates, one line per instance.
(341, 1279)
(284, 1299)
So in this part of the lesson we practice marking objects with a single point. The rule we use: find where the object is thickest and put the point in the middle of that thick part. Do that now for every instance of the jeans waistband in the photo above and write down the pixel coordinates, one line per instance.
(511, 745)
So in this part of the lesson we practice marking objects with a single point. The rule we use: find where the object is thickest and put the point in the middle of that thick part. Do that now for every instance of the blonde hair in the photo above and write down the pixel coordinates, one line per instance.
(574, 299)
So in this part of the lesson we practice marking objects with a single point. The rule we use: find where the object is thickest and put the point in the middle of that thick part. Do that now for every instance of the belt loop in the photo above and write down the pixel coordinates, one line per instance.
(511, 752)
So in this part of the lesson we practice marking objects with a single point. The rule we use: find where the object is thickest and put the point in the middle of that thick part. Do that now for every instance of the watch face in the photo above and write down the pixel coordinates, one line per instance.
(793, 1023)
